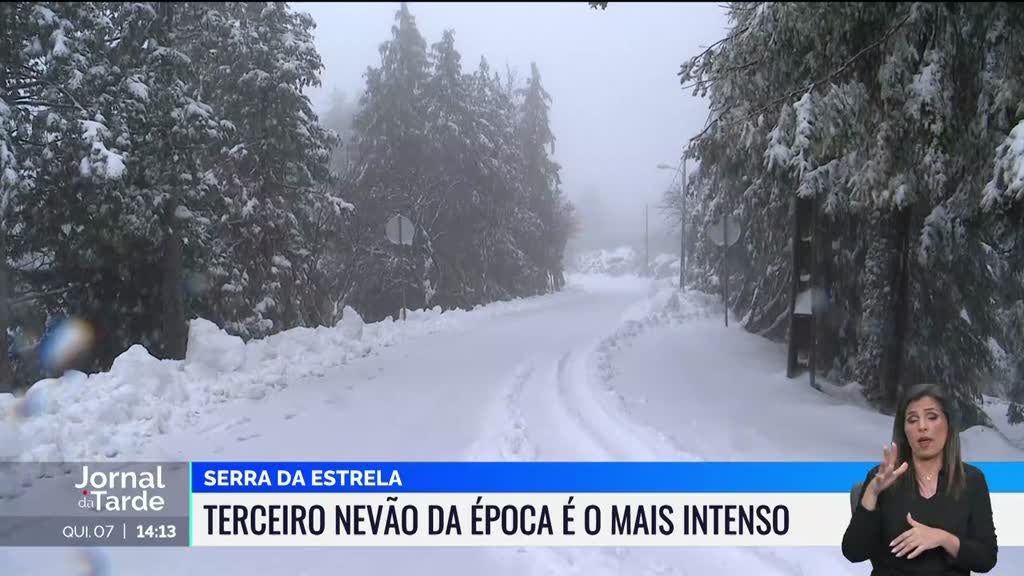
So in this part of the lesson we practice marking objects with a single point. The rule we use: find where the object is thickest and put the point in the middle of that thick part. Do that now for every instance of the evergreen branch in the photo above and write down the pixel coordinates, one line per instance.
(32, 143)
(28, 101)
(32, 84)
(810, 87)
(33, 73)
(719, 42)
(33, 296)
(710, 83)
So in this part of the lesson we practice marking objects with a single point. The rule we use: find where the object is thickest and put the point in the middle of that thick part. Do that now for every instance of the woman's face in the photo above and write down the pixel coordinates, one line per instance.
(926, 427)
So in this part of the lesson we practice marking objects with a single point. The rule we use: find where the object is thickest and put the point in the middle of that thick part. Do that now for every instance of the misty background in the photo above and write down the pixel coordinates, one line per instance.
(618, 109)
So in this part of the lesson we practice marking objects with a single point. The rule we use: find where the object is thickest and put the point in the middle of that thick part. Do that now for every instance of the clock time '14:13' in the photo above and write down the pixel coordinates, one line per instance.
(161, 531)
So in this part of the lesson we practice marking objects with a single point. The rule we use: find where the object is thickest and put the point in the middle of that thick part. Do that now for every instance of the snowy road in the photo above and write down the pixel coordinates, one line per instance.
(430, 398)
(591, 374)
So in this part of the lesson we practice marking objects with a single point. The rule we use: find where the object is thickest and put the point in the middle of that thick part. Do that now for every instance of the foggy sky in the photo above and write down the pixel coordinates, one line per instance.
(617, 107)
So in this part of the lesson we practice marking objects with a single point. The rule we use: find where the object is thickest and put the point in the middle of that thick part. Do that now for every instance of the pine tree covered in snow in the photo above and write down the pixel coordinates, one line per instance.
(173, 131)
(546, 230)
(13, 23)
(507, 271)
(30, 114)
(160, 161)
(451, 129)
(76, 170)
(896, 121)
(392, 173)
(171, 147)
(256, 59)
(467, 160)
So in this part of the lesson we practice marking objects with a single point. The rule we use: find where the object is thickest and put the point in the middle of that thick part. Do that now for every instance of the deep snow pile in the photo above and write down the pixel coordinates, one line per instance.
(112, 415)
(604, 283)
(665, 266)
(620, 261)
(624, 261)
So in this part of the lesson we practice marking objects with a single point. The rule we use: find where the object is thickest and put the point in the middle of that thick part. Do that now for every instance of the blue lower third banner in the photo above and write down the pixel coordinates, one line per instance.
(545, 503)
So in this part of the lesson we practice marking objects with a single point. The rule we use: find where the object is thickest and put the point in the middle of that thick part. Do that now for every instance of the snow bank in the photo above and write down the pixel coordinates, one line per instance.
(996, 409)
(665, 266)
(604, 283)
(114, 414)
(10, 441)
(624, 261)
(617, 262)
(681, 369)
(351, 324)
(212, 349)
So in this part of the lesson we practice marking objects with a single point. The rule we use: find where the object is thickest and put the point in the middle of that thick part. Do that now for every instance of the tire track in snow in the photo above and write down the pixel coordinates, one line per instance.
(569, 410)
(508, 441)
(599, 412)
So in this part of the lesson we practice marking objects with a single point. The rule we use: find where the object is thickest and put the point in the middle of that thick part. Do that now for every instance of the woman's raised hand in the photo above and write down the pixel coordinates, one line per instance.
(888, 472)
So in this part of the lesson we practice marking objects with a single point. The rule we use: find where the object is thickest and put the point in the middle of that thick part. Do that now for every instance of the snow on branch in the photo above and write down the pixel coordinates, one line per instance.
(785, 98)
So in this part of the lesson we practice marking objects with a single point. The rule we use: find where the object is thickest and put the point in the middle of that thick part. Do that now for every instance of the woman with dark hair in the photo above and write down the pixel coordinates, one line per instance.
(923, 510)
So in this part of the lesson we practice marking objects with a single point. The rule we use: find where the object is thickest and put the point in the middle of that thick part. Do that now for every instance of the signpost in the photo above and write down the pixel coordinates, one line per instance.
(400, 231)
(725, 232)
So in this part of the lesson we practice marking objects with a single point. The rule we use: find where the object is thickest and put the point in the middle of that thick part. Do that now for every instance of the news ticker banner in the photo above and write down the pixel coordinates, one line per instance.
(431, 504)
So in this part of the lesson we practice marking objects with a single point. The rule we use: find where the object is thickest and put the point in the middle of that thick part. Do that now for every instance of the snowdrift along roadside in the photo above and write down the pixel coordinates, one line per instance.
(687, 374)
(112, 415)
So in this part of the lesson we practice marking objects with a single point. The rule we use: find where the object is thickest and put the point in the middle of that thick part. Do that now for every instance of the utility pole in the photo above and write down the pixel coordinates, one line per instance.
(682, 217)
(682, 233)
(647, 244)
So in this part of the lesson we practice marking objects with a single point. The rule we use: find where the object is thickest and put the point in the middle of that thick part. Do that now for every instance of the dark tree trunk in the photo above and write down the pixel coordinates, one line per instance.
(6, 372)
(826, 320)
(288, 304)
(104, 317)
(172, 299)
(877, 282)
(893, 361)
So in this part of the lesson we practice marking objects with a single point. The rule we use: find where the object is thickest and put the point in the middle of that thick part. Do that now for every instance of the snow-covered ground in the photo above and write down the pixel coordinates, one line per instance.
(616, 262)
(624, 261)
(614, 368)
(141, 399)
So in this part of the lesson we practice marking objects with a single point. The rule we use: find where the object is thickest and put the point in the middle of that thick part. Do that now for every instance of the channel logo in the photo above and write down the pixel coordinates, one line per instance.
(120, 491)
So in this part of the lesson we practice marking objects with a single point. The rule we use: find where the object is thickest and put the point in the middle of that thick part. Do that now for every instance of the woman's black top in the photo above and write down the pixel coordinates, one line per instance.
(968, 517)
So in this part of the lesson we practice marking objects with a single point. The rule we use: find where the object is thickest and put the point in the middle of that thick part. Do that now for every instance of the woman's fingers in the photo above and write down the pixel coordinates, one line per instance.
(899, 471)
(905, 542)
(885, 478)
(887, 470)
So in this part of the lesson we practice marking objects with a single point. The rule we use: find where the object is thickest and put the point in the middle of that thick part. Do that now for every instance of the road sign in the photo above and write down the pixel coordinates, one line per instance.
(400, 230)
(726, 231)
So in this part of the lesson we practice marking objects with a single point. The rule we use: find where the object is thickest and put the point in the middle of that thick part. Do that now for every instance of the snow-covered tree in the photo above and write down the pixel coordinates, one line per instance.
(256, 60)
(393, 174)
(467, 158)
(160, 161)
(452, 126)
(547, 234)
(892, 132)
(13, 23)
(500, 179)
(68, 105)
